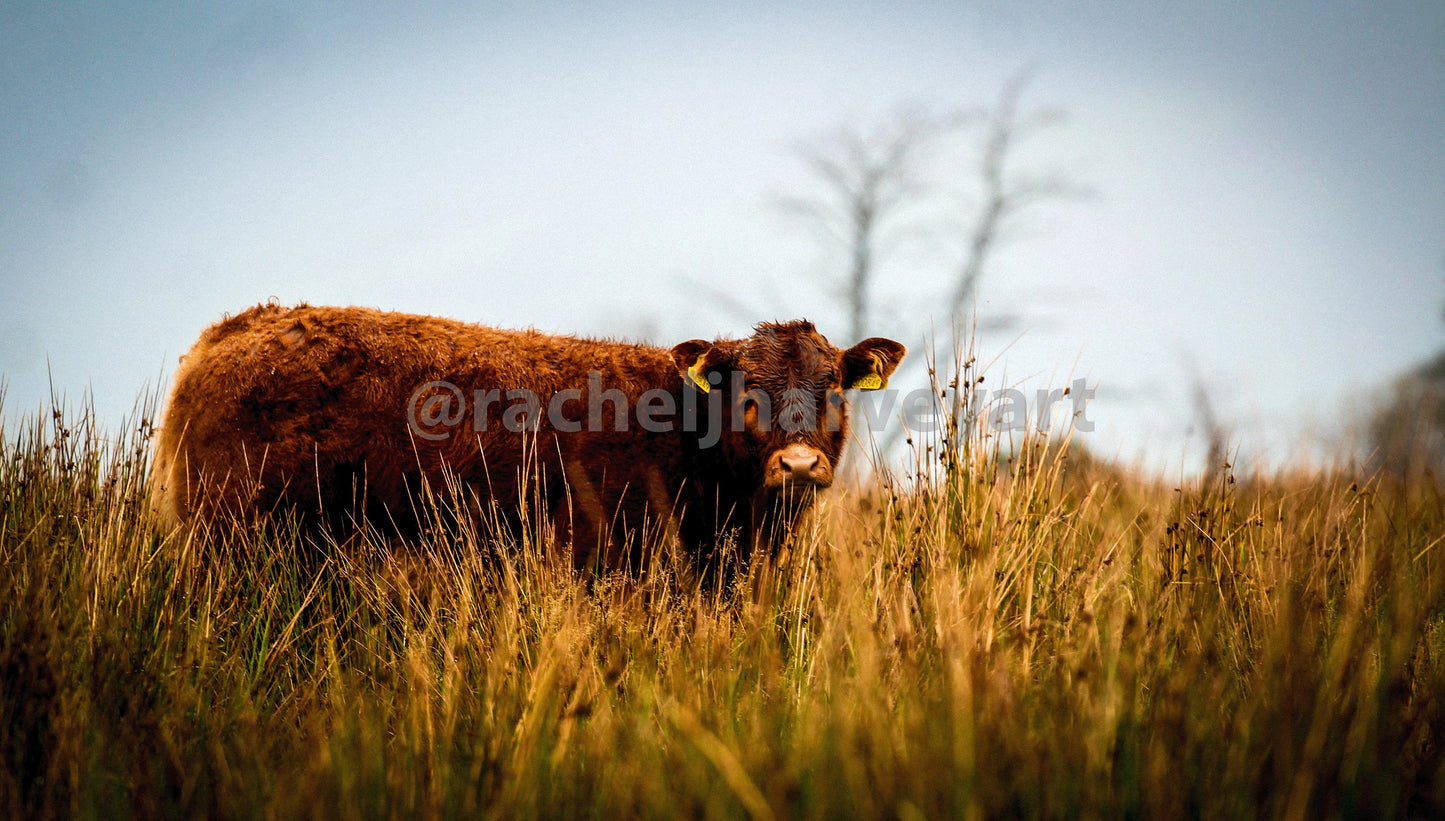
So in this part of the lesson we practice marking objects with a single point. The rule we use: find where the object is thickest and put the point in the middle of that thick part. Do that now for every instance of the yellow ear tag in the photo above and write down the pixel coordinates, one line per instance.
(871, 382)
(698, 377)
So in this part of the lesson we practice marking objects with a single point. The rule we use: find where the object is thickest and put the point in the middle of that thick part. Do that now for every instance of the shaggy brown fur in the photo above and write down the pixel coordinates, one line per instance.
(317, 410)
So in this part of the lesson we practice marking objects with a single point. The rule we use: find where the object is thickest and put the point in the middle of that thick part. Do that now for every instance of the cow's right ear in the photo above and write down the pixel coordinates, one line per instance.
(691, 360)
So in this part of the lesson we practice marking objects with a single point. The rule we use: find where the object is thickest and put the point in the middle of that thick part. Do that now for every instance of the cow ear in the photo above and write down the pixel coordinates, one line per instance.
(691, 360)
(867, 365)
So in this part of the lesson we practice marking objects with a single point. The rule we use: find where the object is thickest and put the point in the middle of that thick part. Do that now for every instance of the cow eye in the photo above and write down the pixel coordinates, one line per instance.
(748, 407)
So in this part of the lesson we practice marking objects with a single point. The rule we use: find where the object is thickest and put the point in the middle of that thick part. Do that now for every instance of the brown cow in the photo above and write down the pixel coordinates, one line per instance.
(351, 411)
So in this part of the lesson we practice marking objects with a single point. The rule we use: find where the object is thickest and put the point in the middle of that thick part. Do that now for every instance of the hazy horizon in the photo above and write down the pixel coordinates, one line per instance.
(1266, 211)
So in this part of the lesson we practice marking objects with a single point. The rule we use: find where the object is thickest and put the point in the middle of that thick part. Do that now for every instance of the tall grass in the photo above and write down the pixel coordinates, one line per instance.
(1042, 635)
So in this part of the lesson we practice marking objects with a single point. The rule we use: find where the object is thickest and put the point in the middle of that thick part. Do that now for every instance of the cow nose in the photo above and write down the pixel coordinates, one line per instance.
(800, 466)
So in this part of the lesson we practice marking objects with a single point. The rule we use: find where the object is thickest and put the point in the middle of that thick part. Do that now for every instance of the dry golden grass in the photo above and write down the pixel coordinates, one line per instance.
(1047, 637)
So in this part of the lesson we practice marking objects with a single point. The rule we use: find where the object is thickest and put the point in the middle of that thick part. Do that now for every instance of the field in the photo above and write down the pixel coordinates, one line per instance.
(1039, 636)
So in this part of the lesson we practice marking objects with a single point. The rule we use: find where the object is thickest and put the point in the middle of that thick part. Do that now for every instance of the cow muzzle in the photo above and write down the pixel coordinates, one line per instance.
(798, 466)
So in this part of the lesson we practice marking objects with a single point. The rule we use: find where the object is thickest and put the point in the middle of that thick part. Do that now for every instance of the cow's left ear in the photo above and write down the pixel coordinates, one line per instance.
(867, 365)
(695, 359)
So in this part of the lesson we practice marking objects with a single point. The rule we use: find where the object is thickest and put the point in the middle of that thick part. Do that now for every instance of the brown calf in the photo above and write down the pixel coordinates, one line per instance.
(349, 412)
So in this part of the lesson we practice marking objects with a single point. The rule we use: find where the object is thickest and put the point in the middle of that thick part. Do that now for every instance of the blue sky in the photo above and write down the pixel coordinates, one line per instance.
(1268, 206)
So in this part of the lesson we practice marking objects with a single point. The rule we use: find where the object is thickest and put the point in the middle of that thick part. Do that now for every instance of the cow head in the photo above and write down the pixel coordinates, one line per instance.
(781, 396)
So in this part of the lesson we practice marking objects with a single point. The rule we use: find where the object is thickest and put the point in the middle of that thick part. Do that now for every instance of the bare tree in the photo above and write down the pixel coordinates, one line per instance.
(871, 188)
(1406, 430)
(1005, 191)
(875, 185)
(868, 183)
